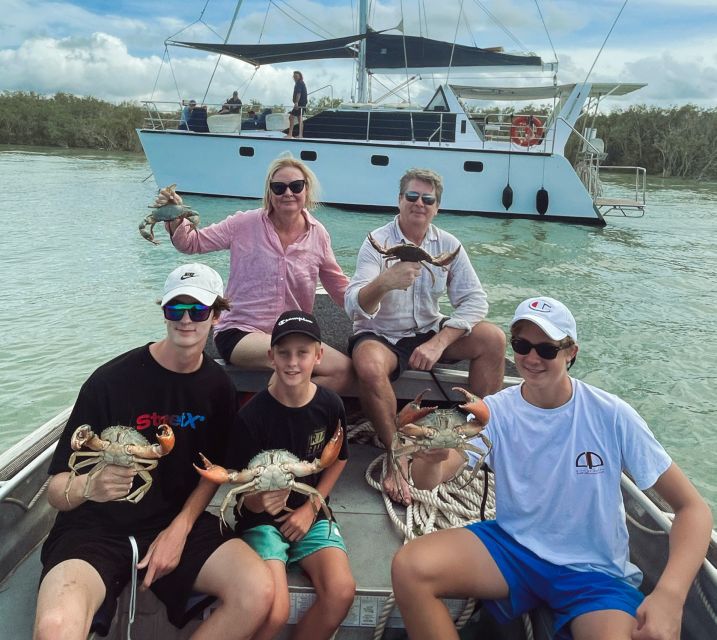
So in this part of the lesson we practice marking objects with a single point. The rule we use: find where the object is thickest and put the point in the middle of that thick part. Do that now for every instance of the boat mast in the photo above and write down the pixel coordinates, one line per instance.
(362, 76)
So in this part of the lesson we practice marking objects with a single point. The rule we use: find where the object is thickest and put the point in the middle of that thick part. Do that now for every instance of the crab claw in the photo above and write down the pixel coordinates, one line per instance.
(445, 258)
(82, 434)
(475, 405)
(212, 472)
(165, 436)
(376, 245)
(333, 447)
(413, 410)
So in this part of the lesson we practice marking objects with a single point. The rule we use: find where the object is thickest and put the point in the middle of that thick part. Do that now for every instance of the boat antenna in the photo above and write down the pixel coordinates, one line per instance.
(619, 13)
(405, 61)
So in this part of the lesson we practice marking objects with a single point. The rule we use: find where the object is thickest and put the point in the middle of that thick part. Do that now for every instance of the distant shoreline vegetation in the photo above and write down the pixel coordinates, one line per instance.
(669, 142)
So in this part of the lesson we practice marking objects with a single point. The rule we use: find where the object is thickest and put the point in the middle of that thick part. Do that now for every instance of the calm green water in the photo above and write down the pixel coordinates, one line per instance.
(80, 287)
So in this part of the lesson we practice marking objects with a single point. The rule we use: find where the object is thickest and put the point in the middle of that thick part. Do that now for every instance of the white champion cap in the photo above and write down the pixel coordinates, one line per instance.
(551, 315)
(196, 280)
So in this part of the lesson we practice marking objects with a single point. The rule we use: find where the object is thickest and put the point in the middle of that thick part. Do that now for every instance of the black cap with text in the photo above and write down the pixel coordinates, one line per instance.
(295, 322)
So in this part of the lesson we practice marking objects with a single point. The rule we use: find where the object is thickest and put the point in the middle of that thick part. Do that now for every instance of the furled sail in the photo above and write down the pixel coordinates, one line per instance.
(385, 53)
(259, 54)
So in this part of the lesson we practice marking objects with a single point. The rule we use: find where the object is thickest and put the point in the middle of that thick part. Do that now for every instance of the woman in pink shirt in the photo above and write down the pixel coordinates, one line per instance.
(277, 255)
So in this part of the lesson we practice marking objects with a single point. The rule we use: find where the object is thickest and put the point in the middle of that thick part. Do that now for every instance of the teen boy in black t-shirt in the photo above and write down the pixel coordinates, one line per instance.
(288, 527)
(87, 558)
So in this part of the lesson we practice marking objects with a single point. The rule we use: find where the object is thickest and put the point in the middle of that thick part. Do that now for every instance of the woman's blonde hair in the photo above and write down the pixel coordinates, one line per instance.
(312, 182)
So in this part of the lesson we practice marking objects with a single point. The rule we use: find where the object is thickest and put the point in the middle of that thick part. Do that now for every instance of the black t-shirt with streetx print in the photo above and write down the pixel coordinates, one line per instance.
(134, 390)
(264, 423)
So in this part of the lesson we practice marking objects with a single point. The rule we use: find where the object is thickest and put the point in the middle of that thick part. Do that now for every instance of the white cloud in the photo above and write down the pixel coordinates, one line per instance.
(61, 46)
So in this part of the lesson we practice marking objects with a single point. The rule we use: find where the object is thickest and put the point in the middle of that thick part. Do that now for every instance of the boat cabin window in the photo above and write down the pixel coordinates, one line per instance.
(473, 166)
(247, 152)
(438, 102)
(379, 161)
(309, 156)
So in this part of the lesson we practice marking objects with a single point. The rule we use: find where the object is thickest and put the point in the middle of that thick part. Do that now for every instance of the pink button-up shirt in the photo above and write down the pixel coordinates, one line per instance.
(264, 279)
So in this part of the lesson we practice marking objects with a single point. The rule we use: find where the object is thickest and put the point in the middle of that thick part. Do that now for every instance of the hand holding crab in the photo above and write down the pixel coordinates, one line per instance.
(117, 446)
(409, 252)
(167, 207)
(274, 470)
(430, 429)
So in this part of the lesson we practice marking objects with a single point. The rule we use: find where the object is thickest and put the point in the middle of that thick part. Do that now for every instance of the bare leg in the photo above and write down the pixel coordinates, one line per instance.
(291, 126)
(301, 123)
(244, 587)
(330, 574)
(454, 563)
(69, 596)
(335, 371)
(279, 613)
(485, 348)
(608, 624)
(373, 363)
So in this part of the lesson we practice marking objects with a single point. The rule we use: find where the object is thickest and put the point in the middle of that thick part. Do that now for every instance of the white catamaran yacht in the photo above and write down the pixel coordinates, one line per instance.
(499, 162)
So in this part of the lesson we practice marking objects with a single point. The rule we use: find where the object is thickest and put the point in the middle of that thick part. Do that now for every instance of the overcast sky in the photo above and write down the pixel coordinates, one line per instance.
(113, 50)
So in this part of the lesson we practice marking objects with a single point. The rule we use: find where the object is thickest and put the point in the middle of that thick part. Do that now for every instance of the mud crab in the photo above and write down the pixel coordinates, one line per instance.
(272, 470)
(166, 212)
(409, 252)
(434, 428)
(124, 446)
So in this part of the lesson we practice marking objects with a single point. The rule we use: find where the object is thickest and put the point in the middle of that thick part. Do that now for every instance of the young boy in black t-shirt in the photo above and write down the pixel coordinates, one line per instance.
(286, 527)
(88, 557)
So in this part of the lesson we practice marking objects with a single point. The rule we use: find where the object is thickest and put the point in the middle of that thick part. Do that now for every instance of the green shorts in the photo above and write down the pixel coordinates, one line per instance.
(270, 544)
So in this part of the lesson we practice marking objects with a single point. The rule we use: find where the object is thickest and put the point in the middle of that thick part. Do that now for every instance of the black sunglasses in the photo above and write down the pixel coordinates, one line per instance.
(197, 312)
(545, 350)
(279, 188)
(413, 196)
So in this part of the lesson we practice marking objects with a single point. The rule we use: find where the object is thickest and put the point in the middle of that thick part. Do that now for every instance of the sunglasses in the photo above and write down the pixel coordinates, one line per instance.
(197, 312)
(279, 188)
(413, 196)
(545, 350)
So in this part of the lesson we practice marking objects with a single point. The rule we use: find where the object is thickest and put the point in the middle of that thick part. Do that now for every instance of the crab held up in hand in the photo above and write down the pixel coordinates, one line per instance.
(123, 446)
(272, 470)
(166, 209)
(409, 252)
(433, 428)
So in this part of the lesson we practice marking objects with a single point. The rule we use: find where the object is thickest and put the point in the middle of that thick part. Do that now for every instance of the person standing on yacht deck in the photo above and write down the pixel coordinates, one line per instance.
(397, 321)
(278, 254)
(88, 556)
(300, 100)
(559, 538)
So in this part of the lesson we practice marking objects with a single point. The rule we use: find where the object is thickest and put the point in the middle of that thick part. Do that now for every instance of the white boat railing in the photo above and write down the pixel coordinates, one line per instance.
(662, 519)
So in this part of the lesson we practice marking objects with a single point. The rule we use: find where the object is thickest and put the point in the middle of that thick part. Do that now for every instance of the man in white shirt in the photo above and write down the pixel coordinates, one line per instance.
(397, 319)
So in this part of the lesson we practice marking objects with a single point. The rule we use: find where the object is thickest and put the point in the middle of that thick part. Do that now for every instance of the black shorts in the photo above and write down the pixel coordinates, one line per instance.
(111, 557)
(403, 348)
(297, 111)
(226, 340)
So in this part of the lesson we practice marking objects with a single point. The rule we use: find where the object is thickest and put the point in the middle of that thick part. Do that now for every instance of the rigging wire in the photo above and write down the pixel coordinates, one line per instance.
(304, 17)
(540, 13)
(405, 62)
(619, 13)
(500, 25)
(453, 47)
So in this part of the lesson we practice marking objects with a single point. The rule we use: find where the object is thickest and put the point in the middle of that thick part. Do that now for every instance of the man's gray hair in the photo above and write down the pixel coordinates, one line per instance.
(425, 175)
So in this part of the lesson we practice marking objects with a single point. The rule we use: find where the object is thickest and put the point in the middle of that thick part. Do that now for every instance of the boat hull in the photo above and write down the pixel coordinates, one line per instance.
(365, 175)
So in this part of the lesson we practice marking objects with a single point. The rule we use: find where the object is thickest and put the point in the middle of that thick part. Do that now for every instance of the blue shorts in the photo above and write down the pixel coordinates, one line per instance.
(270, 544)
(534, 582)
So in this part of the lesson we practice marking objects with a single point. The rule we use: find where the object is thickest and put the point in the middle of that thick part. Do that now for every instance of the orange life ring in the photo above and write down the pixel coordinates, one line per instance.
(526, 130)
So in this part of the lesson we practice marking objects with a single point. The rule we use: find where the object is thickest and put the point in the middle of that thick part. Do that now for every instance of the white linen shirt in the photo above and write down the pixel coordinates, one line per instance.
(403, 314)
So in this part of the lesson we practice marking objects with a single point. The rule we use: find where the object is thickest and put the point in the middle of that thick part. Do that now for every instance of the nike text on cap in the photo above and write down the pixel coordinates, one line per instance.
(196, 280)
(552, 316)
(295, 322)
